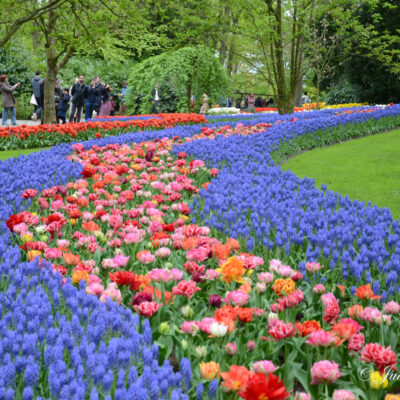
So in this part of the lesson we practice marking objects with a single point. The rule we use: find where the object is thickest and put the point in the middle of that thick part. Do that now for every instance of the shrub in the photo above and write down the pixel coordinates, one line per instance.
(342, 93)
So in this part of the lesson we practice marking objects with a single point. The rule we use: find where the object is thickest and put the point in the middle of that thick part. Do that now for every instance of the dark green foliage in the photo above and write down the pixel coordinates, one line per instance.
(372, 74)
(169, 102)
(343, 93)
(110, 71)
(17, 64)
(180, 74)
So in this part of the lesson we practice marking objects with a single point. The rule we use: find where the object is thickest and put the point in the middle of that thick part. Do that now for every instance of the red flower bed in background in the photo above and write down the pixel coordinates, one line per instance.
(25, 136)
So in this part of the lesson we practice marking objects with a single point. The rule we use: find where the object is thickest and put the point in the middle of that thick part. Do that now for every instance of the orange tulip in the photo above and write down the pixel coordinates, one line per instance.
(284, 286)
(90, 226)
(189, 243)
(233, 244)
(78, 275)
(222, 251)
(246, 287)
(71, 259)
(232, 270)
(355, 310)
(82, 202)
(236, 378)
(33, 253)
(365, 292)
(209, 370)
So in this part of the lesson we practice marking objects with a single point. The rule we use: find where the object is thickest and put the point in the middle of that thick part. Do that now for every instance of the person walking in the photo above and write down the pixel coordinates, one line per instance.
(36, 81)
(105, 109)
(204, 106)
(304, 99)
(123, 108)
(79, 94)
(63, 105)
(250, 101)
(8, 99)
(155, 98)
(91, 100)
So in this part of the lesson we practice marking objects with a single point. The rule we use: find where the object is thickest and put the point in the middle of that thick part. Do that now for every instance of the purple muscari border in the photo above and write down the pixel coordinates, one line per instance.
(255, 200)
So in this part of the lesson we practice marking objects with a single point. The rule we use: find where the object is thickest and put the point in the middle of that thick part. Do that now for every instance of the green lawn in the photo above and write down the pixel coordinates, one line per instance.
(14, 153)
(365, 169)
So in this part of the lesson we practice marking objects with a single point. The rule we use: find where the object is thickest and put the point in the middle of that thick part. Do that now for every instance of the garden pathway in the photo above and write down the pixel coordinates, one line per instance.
(27, 122)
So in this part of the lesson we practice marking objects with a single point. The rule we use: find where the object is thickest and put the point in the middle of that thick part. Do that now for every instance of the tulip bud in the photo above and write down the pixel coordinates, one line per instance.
(164, 328)
(187, 312)
(272, 316)
(168, 265)
(201, 351)
(40, 229)
(149, 245)
(231, 348)
(184, 344)
(251, 345)
(260, 287)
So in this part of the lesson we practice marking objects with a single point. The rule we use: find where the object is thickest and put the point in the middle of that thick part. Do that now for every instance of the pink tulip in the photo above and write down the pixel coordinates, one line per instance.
(343, 394)
(264, 366)
(325, 372)
(163, 252)
(321, 338)
(95, 289)
(392, 308)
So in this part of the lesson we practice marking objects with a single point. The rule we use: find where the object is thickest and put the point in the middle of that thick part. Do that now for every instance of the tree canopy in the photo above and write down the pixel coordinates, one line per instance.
(180, 74)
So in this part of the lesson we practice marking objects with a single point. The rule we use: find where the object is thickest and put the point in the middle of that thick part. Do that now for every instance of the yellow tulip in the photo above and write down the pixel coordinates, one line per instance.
(377, 381)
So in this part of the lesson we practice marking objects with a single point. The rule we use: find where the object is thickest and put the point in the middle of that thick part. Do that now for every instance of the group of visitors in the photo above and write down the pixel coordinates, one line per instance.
(97, 97)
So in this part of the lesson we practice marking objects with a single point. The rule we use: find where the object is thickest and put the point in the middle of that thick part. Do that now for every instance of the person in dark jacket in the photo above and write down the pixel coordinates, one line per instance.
(100, 88)
(79, 94)
(36, 81)
(91, 100)
(8, 99)
(63, 105)
(42, 99)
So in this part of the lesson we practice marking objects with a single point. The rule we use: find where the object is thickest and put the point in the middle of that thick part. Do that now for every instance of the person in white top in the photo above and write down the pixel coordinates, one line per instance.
(155, 95)
(304, 99)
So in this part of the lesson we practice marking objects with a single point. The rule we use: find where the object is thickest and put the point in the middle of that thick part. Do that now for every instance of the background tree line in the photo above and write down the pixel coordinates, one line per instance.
(347, 50)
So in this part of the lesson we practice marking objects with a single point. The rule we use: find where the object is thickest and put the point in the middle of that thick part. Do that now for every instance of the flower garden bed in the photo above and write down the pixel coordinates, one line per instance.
(190, 246)
(25, 137)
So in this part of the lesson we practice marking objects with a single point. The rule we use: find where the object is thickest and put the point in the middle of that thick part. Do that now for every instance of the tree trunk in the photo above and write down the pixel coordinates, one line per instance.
(51, 71)
(318, 85)
(280, 64)
(223, 48)
(231, 53)
(49, 93)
